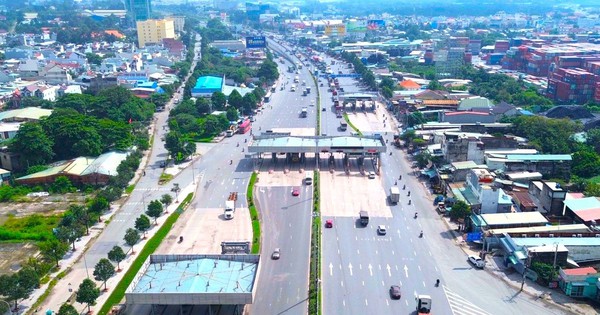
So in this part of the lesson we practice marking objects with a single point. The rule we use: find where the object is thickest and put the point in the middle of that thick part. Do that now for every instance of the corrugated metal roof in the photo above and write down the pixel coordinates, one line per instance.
(538, 157)
(27, 113)
(513, 218)
(582, 204)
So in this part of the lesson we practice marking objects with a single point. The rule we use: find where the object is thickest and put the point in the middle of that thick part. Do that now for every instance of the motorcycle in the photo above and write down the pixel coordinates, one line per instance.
(415, 215)
(421, 235)
(437, 282)
(409, 202)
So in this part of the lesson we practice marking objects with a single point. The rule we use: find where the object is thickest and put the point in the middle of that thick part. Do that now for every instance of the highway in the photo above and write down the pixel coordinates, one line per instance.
(359, 266)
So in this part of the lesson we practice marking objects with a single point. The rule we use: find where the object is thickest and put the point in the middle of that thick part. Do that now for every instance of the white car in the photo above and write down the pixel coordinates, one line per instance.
(371, 175)
(381, 230)
(476, 261)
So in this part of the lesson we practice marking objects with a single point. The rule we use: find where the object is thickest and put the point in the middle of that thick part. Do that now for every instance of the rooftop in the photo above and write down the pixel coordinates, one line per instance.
(513, 218)
(582, 203)
(580, 271)
(538, 157)
(209, 82)
(27, 113)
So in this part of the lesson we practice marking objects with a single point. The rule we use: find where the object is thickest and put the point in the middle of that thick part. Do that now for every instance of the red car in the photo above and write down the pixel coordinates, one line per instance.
(295, 192)
(329, 223)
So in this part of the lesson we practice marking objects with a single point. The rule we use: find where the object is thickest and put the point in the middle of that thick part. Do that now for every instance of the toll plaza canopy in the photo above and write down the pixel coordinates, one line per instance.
(358, 97)
(284, 143)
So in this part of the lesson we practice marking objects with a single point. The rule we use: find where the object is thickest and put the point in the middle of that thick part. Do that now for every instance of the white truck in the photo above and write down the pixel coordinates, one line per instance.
(394, 194)
(230, 206)
(296, 79)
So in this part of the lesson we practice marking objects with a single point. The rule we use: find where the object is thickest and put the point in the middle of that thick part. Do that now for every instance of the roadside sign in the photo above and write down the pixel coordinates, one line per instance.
(472, 237)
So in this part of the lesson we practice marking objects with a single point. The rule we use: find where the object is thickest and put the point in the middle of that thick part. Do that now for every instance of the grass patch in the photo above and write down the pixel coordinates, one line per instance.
(129, 189)
(204, 140)
(119, 292)
(253, 215)
(318, 131)
(34, 227)
(165, 178)
(347, 119)
(595, 179)
(314, 297)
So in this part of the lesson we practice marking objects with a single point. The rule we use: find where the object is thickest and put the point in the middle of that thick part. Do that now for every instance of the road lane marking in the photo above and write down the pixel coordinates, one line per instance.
(419, 266)
(342, 284)
(424, 284)
(371, 270)
(406, 270)
(366, 302)
(389, 270)
(350, 267)
(330, 269)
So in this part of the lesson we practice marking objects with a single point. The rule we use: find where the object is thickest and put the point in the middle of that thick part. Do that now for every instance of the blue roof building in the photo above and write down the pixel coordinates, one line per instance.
(207, 85)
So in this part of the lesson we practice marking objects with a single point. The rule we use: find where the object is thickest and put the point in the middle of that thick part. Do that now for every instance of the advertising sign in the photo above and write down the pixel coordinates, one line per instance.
(356, 26)
(375, 25)
(335, 30)
(256, 42)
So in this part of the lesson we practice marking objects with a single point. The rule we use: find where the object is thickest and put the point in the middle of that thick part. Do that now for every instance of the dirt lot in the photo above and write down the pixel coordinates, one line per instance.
(345, 195)
(12, 255)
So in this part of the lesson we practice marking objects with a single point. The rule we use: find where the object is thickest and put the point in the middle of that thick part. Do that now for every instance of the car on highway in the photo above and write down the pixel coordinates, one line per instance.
(381, 230)
(476, 261)
(371, 175)
(295, 191)
(329, 223)
(276, 254)
(395, 292)
(308, 181)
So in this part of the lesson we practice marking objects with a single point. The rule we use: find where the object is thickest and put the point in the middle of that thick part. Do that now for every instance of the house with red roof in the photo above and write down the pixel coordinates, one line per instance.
(409, 85)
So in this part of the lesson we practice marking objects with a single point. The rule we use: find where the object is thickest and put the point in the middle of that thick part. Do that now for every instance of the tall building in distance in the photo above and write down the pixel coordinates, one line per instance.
(154, 31)
(139, 10)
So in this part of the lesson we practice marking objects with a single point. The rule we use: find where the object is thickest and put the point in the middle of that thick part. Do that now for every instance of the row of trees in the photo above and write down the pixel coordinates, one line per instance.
(367, 75)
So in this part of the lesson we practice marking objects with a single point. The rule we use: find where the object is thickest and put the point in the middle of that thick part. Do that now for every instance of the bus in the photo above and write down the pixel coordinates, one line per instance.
(244, 127)
(268, 97)
(343, 125)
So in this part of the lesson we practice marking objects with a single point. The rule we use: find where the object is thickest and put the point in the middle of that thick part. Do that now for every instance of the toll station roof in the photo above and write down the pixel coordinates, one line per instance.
(298, 144)
(195, 280)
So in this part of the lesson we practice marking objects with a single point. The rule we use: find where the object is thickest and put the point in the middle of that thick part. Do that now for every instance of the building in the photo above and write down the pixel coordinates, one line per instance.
(572, 86)
(466, 117)
(207, 85)
(487, 197)
(550, 165)
(579, 282)
(550, 195)
(139, 10)
(154, 31)
(81, 170)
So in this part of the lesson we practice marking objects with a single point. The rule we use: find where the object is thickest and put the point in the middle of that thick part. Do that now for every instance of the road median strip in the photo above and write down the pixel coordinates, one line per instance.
(314, 297)
(253, 214)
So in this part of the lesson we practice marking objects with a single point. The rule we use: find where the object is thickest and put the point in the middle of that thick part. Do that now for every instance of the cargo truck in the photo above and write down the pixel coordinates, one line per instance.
(423, 304)
(394, 194)
(230, 206)
(363, 218)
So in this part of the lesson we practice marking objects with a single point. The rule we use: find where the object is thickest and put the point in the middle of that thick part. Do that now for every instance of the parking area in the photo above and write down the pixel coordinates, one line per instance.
(345, 195)
(203, 230)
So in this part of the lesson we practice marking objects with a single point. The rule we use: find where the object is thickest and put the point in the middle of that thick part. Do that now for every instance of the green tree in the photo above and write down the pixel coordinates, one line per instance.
(249, 102)
(173, 143)
(423, 159)
(18, 286)
(93, 58)
(586, 163)
(593, 138)
(435, 85)
(218, 100)
(268, 71)
(551, 136)
(545, 271)
(53, 250)
(87, 293)
(155, 210)
(62, 185)
(166, 200)
(232, 114)
(235, 99)
(67, 309)
(98, 205)
(460, 210)
(142, 224)
(387, 93)
(82, 216)
(203, 106)
(131, 238)
(387, 82)
(70, 233)
(117, 255)
(32, 144)
(103, 271)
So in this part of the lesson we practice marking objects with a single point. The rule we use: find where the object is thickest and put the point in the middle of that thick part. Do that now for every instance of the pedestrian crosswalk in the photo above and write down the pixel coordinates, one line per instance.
(461, 306)
(154, 189)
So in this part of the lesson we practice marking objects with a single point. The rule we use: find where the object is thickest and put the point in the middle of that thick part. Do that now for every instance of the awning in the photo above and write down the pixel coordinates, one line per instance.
(429, 173)
(513, 260)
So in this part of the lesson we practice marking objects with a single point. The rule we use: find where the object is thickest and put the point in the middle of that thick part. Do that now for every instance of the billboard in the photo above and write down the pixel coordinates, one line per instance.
(335, 30)
(356, 26)
(375, 25)
(256, 42)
